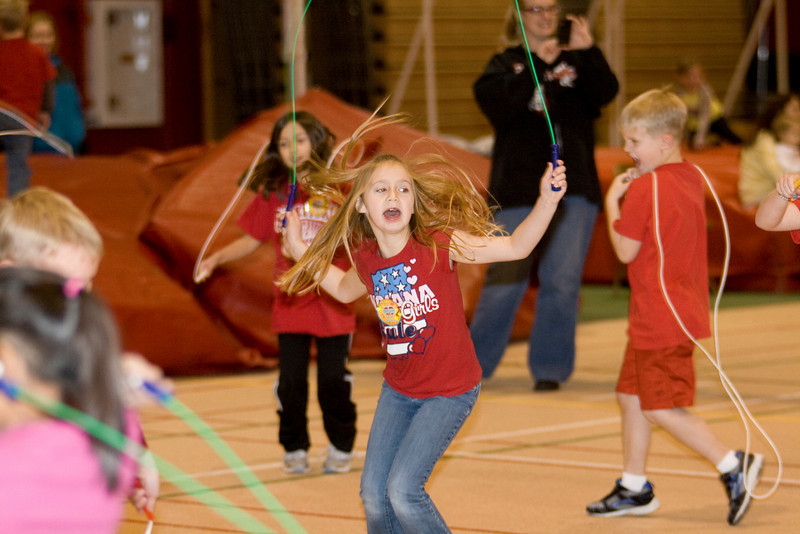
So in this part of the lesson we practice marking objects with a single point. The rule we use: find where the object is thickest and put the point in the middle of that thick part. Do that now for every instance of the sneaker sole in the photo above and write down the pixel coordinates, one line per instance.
(296, 470)
(753, 476)
(331, 470)
(650, 507)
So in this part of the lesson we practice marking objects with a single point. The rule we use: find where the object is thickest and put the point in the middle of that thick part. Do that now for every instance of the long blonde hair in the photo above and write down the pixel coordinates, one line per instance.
(444, 200)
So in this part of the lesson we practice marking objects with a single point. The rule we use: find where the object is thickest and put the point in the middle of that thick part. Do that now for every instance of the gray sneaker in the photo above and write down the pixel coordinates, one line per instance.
(296, 462)
(337, 461)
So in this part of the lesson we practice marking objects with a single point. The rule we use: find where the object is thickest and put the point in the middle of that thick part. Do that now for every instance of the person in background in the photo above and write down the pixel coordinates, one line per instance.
(576, 82)
(787, 149)
(759, 168)
(705, 109)
(66, 119)
(26, 84)
(300, 140)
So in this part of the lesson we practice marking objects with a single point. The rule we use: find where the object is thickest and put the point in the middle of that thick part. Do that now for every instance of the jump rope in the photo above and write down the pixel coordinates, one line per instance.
(730, 389)
(171, 473)
(31, 130)
(744, 412)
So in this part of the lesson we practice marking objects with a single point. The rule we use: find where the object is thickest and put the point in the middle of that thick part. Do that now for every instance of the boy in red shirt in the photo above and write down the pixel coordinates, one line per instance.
(660, 232)
(26, 83)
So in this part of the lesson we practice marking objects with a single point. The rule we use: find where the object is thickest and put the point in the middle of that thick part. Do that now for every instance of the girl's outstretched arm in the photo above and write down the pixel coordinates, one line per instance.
(344, 286)
(241, 247)
(482, 249)
(777, 214)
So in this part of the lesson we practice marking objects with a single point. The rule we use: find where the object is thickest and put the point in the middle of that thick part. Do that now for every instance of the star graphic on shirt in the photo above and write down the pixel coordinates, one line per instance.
(400, 286)
(384, 280)
(395, 273)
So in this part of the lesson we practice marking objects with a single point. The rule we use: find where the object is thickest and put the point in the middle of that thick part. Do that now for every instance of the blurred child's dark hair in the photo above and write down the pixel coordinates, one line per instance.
(272, 173)
(67, 337)
(773, 107)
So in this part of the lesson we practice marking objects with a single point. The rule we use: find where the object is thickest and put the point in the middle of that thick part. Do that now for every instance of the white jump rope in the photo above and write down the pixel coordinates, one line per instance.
(730, 389)
(32, 131)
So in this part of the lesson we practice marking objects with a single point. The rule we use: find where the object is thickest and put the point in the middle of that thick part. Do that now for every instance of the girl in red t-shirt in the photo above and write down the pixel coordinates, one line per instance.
(405, 225)
(298, 320)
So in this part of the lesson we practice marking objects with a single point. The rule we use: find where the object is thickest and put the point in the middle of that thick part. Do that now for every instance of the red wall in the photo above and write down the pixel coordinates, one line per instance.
(183, 120)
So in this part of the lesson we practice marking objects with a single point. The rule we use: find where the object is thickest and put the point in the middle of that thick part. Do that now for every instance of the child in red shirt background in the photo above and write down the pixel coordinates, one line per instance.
(660, 232)
(26, 77)
(300, 319)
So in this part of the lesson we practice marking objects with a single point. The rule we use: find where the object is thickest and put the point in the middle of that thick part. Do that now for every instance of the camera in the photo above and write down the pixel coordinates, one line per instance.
(564, 31)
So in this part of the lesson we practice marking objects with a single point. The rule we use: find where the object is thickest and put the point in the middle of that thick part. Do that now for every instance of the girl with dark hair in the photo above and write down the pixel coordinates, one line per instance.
(302, 144)
(60, 343)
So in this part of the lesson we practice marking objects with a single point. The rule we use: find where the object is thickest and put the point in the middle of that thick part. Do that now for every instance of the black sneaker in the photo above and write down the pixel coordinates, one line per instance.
(622, 501)
(546, 385)
(734, 482)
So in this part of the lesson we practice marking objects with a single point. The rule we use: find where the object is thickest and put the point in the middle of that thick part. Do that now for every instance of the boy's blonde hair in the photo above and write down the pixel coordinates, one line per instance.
(13, 15)
(658, 111)
(37, 221)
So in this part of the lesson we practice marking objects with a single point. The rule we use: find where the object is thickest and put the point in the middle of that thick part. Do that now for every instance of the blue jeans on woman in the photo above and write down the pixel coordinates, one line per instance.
(407, 438)
(562, 251)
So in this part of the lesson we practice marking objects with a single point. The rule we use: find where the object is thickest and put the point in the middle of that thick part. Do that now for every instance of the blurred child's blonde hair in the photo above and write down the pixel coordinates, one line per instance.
(658, 111)
(37, 221)
(444, 200)
(13, 15)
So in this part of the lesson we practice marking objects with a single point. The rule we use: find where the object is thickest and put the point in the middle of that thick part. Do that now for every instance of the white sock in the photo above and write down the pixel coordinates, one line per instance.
(634, 483)
(729, 463)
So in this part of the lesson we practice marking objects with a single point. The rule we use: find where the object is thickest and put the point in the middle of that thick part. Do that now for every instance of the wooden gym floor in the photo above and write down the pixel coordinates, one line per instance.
(525, 462)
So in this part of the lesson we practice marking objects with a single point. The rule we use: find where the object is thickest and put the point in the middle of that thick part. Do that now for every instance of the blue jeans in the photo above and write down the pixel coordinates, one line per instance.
(407, 438)
(562, 251)
(18, 148)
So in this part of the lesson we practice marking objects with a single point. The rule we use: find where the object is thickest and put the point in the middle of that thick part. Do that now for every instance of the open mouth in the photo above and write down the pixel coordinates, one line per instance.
(392, 214)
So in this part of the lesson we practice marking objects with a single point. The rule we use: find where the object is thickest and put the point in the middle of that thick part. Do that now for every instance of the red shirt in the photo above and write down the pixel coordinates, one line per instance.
(796, 233)
(317, 314)
(428, 347)
(24, 71)
(682, 229)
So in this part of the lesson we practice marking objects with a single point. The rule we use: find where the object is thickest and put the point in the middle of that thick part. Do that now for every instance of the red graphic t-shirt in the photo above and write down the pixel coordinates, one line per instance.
(317, 314)
(428, 347)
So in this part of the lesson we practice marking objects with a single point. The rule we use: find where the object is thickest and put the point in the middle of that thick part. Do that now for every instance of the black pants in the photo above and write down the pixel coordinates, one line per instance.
(334, 388)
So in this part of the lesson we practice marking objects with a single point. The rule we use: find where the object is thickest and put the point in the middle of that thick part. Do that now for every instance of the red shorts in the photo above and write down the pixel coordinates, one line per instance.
(661, 378)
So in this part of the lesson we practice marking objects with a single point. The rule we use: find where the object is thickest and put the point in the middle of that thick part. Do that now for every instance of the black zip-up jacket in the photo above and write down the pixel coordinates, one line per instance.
(576, 86)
